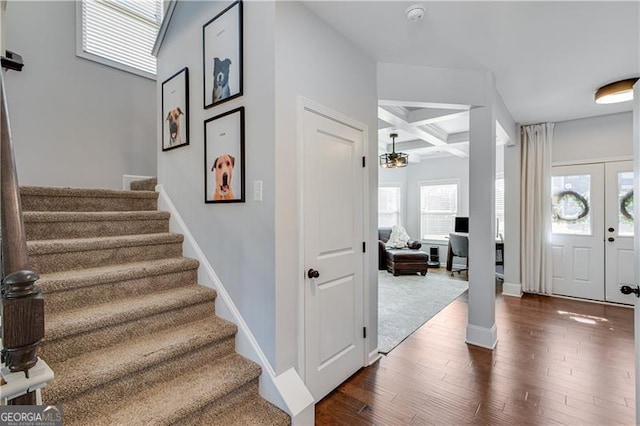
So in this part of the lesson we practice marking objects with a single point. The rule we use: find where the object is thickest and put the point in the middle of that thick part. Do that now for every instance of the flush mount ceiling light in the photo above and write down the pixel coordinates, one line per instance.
(415, 13)
(620, 91)
(394, 159)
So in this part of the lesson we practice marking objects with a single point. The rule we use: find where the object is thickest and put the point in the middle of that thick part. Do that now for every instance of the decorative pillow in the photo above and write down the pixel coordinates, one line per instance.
(398, 237)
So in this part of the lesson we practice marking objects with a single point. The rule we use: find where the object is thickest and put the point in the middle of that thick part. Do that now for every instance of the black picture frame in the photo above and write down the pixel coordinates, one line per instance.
(222, 57)
(175, 111)
(224, 154)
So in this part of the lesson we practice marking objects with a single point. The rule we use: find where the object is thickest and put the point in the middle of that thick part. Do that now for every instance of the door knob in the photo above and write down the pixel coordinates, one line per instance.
(610, 229)
(611, 239)
(312, 273)
(628, 289)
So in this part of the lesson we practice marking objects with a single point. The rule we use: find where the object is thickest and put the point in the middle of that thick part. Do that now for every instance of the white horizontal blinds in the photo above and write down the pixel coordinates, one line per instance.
(500, 206)
(389, 206)
(438, 208)
(123, 31)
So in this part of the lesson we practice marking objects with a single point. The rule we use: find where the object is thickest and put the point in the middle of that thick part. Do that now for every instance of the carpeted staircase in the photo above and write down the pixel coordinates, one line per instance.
(131, 336)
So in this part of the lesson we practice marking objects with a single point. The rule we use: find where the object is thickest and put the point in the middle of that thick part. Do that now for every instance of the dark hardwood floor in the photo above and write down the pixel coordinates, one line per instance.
(558, 361)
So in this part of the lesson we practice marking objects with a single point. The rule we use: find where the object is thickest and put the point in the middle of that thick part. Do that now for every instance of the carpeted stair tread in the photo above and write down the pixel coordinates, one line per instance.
(168, 402)
(98, 243)
(144, 184)
(44, 216)
(97, 368)
(36, 198)
(67, 323)
(76, 278)
(64, 225)
(85, 192)
(252, 412)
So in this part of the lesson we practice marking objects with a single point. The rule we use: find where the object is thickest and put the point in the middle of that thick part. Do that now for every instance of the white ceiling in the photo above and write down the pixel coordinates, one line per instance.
(548, 57)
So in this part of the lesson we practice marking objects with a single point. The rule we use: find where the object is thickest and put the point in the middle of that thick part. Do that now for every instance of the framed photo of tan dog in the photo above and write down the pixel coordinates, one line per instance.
(224, 158)
(222, 56)
(175, 110)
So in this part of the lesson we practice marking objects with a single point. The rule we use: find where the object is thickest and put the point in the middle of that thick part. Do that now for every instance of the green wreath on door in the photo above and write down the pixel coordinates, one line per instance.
(576, 198)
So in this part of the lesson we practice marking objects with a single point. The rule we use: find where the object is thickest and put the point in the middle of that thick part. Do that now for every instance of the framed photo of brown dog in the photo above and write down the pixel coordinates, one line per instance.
(222, 56)
(175, 110)
(224, 158)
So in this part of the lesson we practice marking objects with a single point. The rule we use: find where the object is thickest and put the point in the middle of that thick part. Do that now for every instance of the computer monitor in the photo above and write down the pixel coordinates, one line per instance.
(461, 225)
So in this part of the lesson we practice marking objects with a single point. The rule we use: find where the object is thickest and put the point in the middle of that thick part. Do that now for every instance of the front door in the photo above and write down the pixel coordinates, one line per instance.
(333, 245)
(577, 227)
(592, 230)
(619, 230)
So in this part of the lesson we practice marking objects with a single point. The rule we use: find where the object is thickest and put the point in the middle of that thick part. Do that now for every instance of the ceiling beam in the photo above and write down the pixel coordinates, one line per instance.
(458, 137)
(459, 107)
(428, 136)
(430, 116)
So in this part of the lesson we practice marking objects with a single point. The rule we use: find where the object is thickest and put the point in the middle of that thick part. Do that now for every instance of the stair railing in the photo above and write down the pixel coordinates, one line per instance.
(22, 302)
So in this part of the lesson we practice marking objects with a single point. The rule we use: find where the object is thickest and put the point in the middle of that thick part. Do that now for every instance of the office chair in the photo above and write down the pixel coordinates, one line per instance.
(459, 248)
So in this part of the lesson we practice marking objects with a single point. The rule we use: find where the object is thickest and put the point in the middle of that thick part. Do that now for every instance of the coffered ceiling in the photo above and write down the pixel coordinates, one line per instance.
(549, 57)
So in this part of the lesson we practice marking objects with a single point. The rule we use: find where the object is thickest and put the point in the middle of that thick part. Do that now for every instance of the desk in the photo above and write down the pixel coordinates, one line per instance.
(499, 255)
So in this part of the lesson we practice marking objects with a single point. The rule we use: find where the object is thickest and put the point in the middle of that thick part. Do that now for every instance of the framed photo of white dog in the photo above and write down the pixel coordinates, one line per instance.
(222, 56)
(224, 158)
(175, 110)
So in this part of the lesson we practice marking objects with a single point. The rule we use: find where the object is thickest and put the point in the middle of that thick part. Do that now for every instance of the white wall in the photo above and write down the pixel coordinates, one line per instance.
(238, 239)
(595, 138)
(74, 122)
(315, 62)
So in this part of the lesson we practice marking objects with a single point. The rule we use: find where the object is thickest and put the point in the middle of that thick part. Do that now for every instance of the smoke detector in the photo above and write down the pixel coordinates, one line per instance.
(415, 13)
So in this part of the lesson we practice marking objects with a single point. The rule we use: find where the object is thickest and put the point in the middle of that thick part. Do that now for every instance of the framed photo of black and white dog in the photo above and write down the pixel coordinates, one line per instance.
(224, 157)
(175, 110)
(222, 56)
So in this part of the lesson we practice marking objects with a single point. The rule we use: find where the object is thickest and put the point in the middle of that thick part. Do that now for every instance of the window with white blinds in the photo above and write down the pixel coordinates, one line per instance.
(389, 206)
(119, 33)
(438, 208)
(500, 207)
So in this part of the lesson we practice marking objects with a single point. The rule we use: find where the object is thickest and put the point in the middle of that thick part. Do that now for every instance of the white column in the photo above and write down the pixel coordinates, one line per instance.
(512, 284)
(481, 328)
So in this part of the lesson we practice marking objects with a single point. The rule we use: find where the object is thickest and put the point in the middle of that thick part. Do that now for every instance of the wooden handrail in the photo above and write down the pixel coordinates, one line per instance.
(22, 301)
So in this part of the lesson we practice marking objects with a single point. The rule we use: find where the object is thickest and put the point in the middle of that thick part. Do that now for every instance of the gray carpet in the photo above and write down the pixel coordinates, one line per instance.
(408, 301)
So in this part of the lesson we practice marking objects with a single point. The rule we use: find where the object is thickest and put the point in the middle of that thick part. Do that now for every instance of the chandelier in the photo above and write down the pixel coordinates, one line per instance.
(394, 159)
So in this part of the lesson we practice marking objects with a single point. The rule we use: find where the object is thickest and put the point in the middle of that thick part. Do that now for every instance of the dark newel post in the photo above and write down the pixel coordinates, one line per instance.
(22, 301)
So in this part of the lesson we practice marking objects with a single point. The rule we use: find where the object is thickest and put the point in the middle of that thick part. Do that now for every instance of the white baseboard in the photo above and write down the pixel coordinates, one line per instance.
(511, 289)
(373, 357)
(482, 336)
(127, 179)
(287, 391)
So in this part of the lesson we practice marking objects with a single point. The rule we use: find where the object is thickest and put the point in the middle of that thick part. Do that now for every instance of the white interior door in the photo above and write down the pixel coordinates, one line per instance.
(578, 231)
(619, 232)
(333, 236)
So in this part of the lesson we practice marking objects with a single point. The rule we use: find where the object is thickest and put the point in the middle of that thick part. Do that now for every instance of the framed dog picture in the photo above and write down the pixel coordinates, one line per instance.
(224, 158)
(222, 56)
(175, 110)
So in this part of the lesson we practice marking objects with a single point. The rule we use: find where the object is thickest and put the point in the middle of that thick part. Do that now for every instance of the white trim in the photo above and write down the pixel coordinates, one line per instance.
(99, 59)
(127, 179)
(287, 390)
(374, 356)
(511, 289)
(305, 104)
(17, 383)
(592, 161)
(164, 27)
(482, 336)
(578, 299)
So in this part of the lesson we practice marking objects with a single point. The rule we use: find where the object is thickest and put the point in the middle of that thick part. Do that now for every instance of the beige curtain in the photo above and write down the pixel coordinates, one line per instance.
(535, 200)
